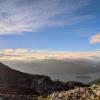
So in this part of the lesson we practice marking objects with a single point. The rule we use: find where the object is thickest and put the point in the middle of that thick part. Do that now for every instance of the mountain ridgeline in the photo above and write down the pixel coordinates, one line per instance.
(16, 82)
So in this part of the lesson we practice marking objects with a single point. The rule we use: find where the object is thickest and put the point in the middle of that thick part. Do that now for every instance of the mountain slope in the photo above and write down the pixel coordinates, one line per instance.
(16, 81)
(13, 81)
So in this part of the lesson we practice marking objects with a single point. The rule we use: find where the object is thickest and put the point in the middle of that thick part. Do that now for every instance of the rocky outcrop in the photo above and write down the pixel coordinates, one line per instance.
(79, 93)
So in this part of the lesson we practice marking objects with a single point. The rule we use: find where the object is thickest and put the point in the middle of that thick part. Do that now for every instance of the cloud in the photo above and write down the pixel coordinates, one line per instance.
(33, 55)
(18, 16)
(95, 39)
(19, 50)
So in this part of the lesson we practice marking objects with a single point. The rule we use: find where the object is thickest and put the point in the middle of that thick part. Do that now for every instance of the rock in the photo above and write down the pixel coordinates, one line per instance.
(79, 93)
(73, 84)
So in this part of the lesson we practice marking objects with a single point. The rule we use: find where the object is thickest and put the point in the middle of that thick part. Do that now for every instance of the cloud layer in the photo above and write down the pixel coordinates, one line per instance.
(95, 39)
(18, 16)
(31, 55)
(63, 69)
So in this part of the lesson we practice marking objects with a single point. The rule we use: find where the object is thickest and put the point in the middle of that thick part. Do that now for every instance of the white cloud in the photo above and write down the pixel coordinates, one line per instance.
(31, 55)
(95, 39)
(19, 50)
(18, 16)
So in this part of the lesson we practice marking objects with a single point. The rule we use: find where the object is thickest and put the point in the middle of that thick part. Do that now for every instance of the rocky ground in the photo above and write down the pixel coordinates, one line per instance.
(79, 93)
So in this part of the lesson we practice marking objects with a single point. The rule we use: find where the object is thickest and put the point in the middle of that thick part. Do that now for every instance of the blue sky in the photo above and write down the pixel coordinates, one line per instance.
(63, 25)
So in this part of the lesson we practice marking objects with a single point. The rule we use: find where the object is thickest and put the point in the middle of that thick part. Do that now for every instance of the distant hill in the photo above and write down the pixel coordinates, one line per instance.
(97, 81)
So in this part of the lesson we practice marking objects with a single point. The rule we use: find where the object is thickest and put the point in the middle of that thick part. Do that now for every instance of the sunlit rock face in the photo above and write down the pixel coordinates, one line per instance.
(79, 93)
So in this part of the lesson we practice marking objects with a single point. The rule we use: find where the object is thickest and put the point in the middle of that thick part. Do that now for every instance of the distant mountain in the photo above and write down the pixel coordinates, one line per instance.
(13, 81)
(97, 81)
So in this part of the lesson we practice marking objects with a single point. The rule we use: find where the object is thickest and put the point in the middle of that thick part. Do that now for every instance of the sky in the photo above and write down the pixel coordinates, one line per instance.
(58, 25)
(60, 38)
